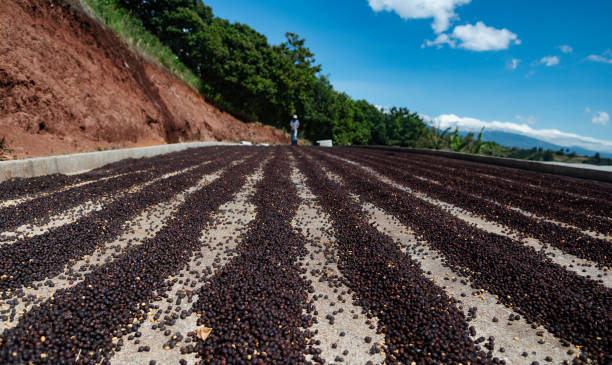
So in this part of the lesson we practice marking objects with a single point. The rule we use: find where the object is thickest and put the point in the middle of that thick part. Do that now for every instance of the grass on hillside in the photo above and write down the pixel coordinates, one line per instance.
(129, 29)
(114, 16)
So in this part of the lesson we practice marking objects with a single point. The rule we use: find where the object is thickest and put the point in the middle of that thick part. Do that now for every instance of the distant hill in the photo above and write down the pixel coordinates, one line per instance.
(517, 140)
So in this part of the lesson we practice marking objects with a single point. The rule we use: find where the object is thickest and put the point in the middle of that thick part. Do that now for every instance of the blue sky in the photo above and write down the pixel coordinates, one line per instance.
(540, 68)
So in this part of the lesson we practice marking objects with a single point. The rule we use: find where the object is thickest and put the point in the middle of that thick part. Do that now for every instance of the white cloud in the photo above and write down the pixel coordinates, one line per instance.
(598, 58)
(566, 49)
(599, 117)
(479, 37)
(605, 58)
(550, 61)
(602, 118)
(529, 119)
(440, 40)
(442, 11)
(549, 135)
(513, 64)
(383, 109)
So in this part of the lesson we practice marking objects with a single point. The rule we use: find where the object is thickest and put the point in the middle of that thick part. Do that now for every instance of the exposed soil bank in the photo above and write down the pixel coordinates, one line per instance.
(67, 84)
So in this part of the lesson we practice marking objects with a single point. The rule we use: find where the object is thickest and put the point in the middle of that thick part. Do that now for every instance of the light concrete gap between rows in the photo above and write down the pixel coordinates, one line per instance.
(27, 198)
(73, 214)
(506, 179)
(144, 226)
(582, 267)
(514, 341)
(553, 189)
(520, 341)
(162, 341)
(593, 234)
(341, 326)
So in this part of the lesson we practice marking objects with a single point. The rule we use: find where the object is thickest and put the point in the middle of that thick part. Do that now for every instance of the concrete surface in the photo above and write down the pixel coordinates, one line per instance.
(144, 226)
(590, 172)
(568, 261)
(41, 226)
(580, 166)
(517, 338)
(331, 296)
(80, 162)
(219, 242)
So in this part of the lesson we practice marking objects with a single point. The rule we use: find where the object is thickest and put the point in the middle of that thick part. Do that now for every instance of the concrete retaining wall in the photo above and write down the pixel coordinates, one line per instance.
(70, 164)
(74, 163)
(581, 172)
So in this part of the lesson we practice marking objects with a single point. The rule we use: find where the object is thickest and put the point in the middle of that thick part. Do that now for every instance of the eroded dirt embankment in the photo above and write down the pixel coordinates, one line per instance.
(67, 84)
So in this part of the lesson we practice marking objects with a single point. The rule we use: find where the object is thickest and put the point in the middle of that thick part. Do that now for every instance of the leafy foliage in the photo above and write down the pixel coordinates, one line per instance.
(113, 15)
(257, 82)
(236, 69)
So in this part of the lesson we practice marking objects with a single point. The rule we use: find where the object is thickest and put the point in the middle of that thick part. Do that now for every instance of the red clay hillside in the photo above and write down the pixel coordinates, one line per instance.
(68, 84)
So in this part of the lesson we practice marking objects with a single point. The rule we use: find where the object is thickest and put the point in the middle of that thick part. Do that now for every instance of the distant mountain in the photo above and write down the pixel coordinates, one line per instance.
(517, 140)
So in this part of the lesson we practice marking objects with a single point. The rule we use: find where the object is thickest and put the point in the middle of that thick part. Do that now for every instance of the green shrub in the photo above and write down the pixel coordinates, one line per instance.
(114, 16)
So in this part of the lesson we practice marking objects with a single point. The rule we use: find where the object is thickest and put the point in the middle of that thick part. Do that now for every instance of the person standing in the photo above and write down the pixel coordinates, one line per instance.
(295, 124)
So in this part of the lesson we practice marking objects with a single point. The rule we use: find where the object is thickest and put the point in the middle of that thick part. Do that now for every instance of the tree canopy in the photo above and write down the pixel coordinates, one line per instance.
(257, 82)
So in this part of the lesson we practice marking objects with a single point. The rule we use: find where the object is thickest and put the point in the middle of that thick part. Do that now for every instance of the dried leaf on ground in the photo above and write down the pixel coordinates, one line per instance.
(203, 332)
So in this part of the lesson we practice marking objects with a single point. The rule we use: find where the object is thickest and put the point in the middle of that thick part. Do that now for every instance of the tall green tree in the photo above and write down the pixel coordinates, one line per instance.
(257, 82)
